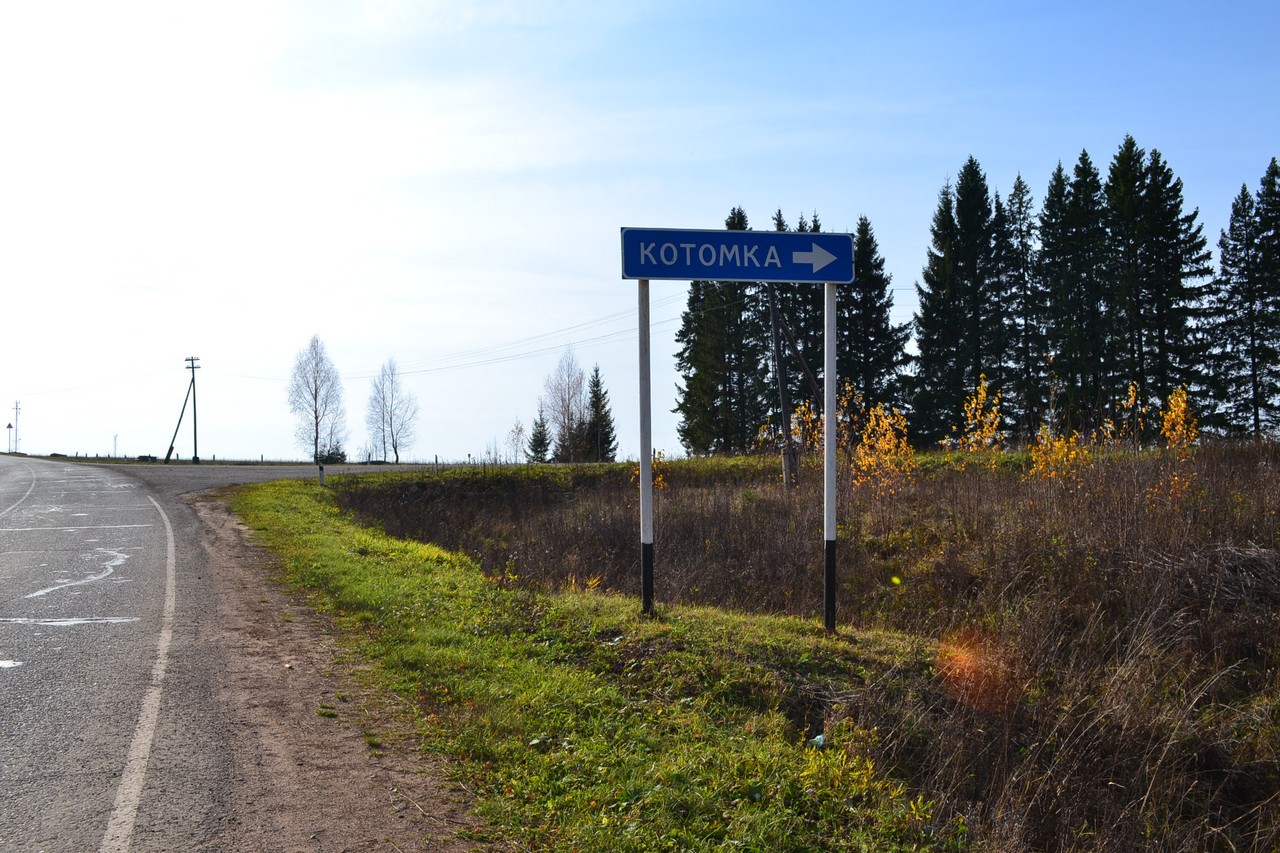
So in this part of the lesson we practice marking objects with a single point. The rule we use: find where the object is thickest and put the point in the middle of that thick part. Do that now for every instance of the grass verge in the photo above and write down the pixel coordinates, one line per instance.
(583, 726)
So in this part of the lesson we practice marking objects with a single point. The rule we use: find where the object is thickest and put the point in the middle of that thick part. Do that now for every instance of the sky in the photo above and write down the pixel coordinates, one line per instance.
(444, 183)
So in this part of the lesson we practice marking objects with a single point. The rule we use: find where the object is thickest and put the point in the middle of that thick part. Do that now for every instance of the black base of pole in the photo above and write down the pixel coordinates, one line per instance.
(829, 586)
(646, 578)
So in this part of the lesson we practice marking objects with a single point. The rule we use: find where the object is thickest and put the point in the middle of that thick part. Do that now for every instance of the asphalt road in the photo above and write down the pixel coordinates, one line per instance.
(111, 737)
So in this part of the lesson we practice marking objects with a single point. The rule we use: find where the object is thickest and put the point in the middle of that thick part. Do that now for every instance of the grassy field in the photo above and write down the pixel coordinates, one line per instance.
(586, 727)
(1078, 653)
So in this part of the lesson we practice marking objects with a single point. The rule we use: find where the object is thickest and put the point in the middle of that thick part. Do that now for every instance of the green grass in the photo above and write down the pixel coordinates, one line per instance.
(583, 726)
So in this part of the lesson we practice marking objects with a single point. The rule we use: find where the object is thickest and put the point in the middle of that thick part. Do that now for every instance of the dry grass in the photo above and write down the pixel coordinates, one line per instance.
(1107, 664)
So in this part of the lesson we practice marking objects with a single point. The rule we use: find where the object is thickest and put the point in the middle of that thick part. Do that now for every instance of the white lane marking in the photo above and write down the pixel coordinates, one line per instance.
(129, 794)
(14, 505)
(9, 664)
(72, 622)
(108, 569)
(75, 528)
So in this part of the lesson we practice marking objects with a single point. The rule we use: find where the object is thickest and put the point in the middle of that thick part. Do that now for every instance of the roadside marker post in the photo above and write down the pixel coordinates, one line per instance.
(764, 256)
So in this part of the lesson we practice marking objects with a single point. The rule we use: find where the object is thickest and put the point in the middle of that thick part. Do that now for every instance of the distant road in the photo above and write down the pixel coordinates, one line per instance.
(111, 737)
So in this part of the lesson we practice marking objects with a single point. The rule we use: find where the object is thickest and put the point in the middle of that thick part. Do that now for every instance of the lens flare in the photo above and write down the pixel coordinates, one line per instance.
(976, 671)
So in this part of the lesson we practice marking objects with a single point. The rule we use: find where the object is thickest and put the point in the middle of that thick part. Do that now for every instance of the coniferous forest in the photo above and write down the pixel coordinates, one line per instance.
(1104, 290)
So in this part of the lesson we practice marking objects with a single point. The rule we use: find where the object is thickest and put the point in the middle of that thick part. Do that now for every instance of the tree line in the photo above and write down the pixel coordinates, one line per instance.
(574, 421)
(1108, 288)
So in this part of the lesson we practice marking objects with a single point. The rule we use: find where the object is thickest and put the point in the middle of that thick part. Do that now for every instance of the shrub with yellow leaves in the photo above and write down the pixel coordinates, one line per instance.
(883, 462)
(806, 427)
(1058, 457)
(982, 436)
(1178, 425)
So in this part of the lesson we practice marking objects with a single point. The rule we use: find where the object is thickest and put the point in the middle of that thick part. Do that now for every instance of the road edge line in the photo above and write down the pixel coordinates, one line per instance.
(125, 812)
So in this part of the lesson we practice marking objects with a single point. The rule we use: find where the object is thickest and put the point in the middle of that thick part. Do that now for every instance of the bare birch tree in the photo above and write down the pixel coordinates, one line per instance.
(515, 440)
(392, 414)
(315, 397)
(565, 404)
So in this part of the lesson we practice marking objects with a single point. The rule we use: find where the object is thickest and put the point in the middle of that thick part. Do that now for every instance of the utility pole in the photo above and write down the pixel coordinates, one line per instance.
(195, 447)
(16, 409)
(191, 395)
(780, 373)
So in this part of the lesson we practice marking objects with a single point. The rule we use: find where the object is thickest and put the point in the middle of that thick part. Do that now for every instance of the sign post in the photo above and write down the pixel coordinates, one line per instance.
(646, 457)
(829, 426)
(764, 256)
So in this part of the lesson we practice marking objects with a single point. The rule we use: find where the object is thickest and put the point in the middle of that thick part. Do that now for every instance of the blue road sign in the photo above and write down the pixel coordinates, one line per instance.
(778, 256)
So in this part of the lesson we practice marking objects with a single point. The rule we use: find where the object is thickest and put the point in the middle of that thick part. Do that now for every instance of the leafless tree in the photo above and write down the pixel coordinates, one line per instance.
(315, 397)
(565, 403)
(393, 413)
(515, 440)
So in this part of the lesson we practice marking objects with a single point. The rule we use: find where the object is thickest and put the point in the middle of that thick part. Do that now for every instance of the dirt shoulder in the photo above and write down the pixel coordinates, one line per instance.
(321, 763)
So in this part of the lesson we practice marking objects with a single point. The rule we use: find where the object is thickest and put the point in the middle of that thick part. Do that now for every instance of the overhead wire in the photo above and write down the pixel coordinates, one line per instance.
(522, 348)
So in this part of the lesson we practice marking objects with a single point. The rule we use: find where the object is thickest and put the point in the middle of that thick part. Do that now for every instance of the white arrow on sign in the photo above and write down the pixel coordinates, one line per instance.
(819, 257)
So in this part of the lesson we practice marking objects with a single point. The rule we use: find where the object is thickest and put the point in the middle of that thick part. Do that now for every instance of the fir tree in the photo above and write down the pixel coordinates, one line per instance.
(539, 448)
(871, 351)
(600, 439)
(1026, 385)
(938, 380)
(722, 401)
(1073, 262)
(701, 340)
(1176, 263)
(1245, 327)
(1269, 245)
(1053, 267)
(998, 308)
(801, 307)
(1127, 228)
(961, 325)
(1268, 204)
(972, 254)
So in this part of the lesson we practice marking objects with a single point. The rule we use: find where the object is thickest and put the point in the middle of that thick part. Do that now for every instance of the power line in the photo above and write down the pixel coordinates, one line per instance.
(494, 354)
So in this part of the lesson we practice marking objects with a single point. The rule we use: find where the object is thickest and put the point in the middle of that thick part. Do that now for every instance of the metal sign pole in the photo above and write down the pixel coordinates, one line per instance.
(830, 425)
(646, 456)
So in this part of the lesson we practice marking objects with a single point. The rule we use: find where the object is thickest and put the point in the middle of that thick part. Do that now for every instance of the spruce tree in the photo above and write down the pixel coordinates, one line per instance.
(937, 383)
(1268, 203)
(701, 340)
(972, 254)
(539, 448)
(1053, 265)
(600, 439)
(998, 319)
(810, 327)
(1268, 206)
(961, 324)
(871, 351)
(1127, 229)
(802, 307)
(1175, 264)
(722, 347)
(1074, 258)
(1244, 325)
(1026, 383)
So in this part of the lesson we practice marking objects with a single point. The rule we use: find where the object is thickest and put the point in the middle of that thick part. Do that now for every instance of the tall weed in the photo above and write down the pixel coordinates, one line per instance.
(1105, 621)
